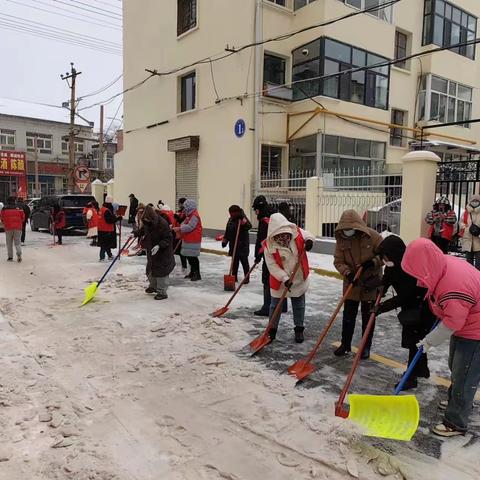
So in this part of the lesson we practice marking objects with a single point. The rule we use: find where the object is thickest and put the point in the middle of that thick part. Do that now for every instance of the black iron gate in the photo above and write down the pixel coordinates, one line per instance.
(458, 181)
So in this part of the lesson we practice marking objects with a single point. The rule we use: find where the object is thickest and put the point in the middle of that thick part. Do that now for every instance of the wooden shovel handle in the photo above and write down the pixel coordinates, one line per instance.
(235, 246)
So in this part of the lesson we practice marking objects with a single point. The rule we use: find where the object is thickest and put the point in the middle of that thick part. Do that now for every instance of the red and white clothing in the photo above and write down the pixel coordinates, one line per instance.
(281, 261)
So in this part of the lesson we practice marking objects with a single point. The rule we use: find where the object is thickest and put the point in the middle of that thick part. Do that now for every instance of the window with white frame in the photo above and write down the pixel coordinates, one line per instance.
(383, 13)
(40, 142)
(186, 16)
(397, 137)
(274, 69)
(188, 92)
(444, 101)
(301, 3)
(401, 48)
(271, 163)
(282, 3)
(7, 139)
(79, 147)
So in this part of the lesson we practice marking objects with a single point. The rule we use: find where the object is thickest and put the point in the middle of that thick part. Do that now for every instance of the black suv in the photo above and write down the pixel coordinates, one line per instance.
(72, 205)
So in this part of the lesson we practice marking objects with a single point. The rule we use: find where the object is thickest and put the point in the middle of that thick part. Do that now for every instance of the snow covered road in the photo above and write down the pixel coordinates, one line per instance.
(130, 388)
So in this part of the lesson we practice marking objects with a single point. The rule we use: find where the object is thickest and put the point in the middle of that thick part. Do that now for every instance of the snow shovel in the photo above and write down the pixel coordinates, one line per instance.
(230, 280)
(303, 368)
(91, 290)
(264, 339)
(384, 416)
(224, 310)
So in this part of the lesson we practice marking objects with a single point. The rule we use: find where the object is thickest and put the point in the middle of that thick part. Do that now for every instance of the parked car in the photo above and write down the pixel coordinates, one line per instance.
(388, 216)
(32, 203)
(73, 205)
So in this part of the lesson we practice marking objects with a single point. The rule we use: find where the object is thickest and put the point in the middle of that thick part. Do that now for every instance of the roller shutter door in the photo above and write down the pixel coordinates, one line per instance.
(186, 175)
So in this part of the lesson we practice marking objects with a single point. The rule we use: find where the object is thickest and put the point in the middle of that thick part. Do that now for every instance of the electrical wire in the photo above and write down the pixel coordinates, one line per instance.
(102, 89)
(31, 102)
(95, 8)
(118, 18)
(213, 81)
(63, 39)
(234, 51)
(104, 24)
(114, 118)
(59, 30)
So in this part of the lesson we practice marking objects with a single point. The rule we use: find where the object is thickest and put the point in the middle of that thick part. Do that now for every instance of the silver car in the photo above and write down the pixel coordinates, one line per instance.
(385, 218)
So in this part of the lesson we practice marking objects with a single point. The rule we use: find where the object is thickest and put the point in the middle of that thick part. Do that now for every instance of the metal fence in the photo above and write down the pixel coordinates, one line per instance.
(375, 195)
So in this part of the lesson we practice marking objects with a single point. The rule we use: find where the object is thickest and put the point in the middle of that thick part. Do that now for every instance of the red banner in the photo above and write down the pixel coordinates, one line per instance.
(12, 163)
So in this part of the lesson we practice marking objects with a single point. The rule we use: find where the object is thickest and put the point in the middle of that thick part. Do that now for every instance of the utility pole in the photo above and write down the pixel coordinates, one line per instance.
(101, 165)
(37, 183)
(71, 139)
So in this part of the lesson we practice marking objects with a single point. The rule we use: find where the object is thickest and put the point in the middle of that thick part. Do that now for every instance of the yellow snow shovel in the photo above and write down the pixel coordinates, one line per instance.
(91, 290)
(385, 416)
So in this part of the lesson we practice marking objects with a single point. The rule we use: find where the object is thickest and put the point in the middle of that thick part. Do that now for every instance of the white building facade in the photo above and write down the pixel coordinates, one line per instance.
(214, 130)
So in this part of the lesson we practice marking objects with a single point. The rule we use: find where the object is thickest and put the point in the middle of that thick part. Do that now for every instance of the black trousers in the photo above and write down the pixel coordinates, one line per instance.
(350, 311)
(243, 259)
(24, 227)
(194, 263)
(59, 234)
(441, 243)
(421, 368)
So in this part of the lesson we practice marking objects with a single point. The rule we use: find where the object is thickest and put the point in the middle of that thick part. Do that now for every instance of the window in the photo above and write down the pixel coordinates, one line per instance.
(382, 13)
(274, 70)
(7, 139)
(444, 24)
(303, 154)
(351, 153)
(43, 143)
(271, 160)
(187, 92)
(301, 3)
(396, 134)
(328, 58)
(444, 101)
(186, 15)
(282, 3)
(79, 147)
(401, 40)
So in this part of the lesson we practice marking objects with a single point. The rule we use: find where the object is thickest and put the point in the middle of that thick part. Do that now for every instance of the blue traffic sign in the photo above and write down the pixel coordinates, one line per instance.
(240, 128)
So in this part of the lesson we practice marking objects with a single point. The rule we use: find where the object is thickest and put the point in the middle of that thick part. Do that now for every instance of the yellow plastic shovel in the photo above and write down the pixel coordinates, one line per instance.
(91, 290)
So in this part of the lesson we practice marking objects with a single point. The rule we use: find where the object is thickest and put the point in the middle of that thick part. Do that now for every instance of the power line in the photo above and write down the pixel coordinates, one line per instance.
(73, 17)
(278, 38)
(95, 8)
(114, 118)
(118, 18)
(63, 31)
(61, 38)
(31, 102)
(102, 89)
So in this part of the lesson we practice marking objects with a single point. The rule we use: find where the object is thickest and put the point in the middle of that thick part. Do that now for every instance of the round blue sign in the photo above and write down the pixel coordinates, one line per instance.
(240, 128)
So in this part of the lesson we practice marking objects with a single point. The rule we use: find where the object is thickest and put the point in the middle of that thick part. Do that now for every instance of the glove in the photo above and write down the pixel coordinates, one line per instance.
(155, 250)
(308, 245)
(350, 276)
(224, 243)
(426, 346)
(288, 284)
(368, 264)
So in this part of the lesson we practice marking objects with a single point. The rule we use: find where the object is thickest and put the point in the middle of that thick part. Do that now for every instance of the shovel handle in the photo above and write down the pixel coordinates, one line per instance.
(242, 283)
(333, 317)
(126, 245)
(235, 246)
(339, 410)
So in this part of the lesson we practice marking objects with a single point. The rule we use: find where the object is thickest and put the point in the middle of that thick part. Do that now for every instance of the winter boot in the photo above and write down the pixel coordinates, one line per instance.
(161, 295)
(410, 384)
(365, 354)
(188, 275)
(342, 350)
(299, 334)
(9, 259)
(150, 290)
(261, 313)
(446, 431)
(195, 277)
(19, 258)
(272, 333)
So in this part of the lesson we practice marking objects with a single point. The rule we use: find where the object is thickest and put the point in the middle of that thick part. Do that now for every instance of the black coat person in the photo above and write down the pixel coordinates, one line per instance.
(132, 211)
(415, 316)
(238, 217)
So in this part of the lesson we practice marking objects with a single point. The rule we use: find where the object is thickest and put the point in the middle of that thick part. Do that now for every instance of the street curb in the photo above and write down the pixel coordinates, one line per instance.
(318, 271)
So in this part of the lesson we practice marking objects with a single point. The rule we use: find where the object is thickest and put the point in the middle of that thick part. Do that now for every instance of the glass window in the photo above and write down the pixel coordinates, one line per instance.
(378, 150)
(362, 148)
(278, 2)
(271, 160)
(452, 89)
(465, 93)
(301, 3)
(7, 139)
(449, 25)
(354, 3)
(369, 87)
(274, 69)
(186, 15)
(39, 142)
(347, 146)
(400, 48)
(384, 13)
(439, 84)
(187, 92)
(396, 134)
(307, 52)
(330, 144)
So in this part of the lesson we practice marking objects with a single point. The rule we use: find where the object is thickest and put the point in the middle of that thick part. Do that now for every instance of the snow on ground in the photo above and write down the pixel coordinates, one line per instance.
(130, 388)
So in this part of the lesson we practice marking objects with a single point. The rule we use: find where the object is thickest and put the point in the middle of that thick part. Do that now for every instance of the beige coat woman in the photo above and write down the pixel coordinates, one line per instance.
(352, 252)
(472, 216)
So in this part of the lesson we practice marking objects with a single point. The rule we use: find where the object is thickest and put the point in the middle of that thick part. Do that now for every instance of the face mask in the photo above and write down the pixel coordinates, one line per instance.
(283, 239)
(389, 264)
(475, 204)
(349, 233)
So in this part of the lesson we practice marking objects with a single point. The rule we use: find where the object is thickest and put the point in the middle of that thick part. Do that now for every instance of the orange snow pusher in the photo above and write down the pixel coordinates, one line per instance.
(386, 416)
(264, 339)
(303, 368)
(223, 310)
(230, 279)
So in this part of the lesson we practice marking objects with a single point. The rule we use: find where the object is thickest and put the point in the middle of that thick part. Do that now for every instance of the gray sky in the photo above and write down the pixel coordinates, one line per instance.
(32, 64)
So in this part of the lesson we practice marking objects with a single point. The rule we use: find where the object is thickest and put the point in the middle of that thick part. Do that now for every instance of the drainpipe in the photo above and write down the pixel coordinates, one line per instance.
(258, 88)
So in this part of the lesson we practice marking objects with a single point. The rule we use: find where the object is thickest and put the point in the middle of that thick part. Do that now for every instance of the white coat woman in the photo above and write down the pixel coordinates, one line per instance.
(470, 226)
(286, 245)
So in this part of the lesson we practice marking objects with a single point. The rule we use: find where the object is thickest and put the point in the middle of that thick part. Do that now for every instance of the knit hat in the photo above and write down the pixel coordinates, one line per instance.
(260, 203)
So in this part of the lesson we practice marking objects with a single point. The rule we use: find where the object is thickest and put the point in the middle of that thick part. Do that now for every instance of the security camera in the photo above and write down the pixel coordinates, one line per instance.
(305, 52)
